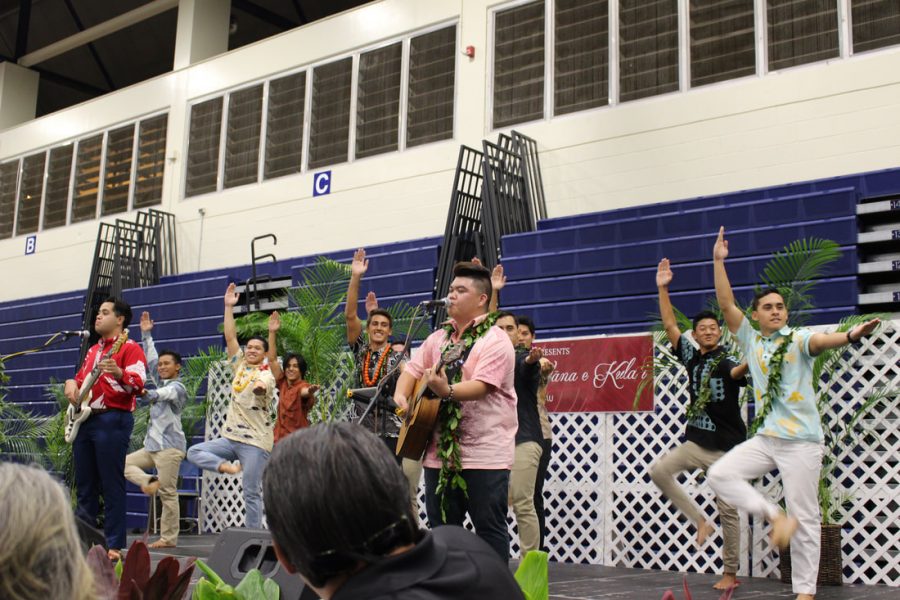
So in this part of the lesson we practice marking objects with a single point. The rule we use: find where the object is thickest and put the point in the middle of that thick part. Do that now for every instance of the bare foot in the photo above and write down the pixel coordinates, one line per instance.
(783, 527)
(805, 597)
(704, 530)
(230, 468)
(151, 488)
(114, 555)
(728, 580)
(161, 544)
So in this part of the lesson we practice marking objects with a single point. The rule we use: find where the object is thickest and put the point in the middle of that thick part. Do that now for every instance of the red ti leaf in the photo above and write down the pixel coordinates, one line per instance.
(135, 571)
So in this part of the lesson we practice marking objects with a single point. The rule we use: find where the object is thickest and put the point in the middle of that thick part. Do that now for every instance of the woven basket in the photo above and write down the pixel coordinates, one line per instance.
(830, 561)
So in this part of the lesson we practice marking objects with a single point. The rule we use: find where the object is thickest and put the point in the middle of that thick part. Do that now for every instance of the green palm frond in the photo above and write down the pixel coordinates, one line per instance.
(194, 373)
(795, 271)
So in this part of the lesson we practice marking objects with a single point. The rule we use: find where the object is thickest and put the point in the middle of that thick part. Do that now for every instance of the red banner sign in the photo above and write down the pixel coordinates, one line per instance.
(598, 374)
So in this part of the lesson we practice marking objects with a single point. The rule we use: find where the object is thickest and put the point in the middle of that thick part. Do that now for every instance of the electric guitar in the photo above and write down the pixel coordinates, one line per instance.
(421, 417)
(76, 416)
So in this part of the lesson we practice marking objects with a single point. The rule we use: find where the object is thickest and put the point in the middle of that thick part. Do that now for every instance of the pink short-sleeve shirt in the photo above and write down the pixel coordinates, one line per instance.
(489, 424)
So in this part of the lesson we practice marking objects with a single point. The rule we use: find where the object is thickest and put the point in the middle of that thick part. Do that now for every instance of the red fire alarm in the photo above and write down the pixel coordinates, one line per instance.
(469, 51)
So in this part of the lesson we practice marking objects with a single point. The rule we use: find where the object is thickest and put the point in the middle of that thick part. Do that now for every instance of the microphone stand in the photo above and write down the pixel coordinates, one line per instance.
(56, 338)
(390, 374)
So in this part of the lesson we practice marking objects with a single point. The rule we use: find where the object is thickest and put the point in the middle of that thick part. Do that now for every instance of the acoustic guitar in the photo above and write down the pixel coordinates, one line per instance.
(76, 416)
(421, 417)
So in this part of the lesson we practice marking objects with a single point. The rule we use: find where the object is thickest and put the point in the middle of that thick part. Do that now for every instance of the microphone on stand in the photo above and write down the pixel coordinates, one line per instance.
(81, 334)
(435, 304)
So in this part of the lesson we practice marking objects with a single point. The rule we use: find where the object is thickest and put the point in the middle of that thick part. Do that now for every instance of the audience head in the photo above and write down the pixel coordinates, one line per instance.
(508, 323)
(526, 331)
(335, 500)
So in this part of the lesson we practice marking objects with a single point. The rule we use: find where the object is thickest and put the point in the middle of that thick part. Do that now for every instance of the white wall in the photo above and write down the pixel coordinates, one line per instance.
(809, 122)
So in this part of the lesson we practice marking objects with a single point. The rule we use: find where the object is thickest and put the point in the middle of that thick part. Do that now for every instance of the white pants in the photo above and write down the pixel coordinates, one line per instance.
(800, 464)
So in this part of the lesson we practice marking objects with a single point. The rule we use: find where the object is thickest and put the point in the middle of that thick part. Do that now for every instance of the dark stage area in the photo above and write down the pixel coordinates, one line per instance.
(592, 582)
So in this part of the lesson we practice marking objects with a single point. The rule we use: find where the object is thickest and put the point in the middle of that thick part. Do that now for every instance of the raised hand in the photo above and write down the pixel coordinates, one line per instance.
(371, 302)
(498, 279)
(663, 273)
(231, 296)
(475, 261)
(720, 250)
(864, 329)
(274, 322)
(146, 322)
(360, 263)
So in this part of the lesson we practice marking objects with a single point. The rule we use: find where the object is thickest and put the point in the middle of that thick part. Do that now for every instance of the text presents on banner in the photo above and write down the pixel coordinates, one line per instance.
(599, 374)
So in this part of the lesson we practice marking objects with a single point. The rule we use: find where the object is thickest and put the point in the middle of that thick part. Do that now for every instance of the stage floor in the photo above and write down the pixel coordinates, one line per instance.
(591, 582)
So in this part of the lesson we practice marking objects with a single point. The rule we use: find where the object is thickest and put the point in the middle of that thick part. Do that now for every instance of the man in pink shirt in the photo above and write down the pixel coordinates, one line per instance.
(481, 384)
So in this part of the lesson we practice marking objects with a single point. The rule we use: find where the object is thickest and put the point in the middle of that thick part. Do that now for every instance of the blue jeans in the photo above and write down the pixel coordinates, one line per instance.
(209, 455)
(488, 491)
(99, 455)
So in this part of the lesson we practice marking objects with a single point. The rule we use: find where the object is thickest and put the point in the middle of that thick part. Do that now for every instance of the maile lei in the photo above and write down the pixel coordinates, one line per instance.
(773, 388)
(450, 419)
(704, 394)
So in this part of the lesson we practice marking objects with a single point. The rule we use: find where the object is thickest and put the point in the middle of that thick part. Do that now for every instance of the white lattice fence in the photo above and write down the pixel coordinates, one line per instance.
(602, 507)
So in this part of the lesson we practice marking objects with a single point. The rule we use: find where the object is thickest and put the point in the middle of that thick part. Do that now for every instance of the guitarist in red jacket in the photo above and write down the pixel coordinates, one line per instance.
(102, 440)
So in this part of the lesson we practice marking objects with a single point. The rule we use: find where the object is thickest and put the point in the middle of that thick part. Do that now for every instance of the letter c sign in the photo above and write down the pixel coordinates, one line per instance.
(322, 183)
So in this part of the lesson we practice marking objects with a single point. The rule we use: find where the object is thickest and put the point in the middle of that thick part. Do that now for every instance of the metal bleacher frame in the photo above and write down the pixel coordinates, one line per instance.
(495, 193)
(128, 255)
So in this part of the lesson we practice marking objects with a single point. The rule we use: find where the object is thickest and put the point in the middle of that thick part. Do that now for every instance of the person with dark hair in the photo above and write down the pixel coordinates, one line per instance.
(787, 431)
(526, 341)
(316, 484)
(528, 436)
(373, 353)
(296, 396)
(247, 435)
(102, 440)
(714, 421)
(164, 444)
(471, 452)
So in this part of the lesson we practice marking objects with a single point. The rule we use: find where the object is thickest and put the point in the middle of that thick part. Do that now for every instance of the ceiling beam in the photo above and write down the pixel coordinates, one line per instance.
(22, 28)
(98, 31)
(91, 48)
(264, 14)
(301, 14)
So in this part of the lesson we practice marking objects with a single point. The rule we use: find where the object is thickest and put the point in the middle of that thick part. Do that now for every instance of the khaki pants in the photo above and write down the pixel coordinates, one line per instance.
(688, 457)
(413, 471)
(166, 463)
(521, 495)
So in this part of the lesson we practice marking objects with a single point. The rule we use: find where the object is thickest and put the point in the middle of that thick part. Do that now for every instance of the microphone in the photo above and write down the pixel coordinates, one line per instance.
(81, 334)
(434, 304)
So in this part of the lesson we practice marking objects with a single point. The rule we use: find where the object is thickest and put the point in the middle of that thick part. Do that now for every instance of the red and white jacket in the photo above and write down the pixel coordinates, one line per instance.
(109, 392)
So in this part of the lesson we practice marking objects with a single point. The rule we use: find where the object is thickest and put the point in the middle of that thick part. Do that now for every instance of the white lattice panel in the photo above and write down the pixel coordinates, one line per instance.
(602, 507)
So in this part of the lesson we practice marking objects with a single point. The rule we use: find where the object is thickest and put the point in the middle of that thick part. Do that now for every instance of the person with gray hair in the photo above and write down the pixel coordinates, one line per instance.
(40, 553)
(338, 509)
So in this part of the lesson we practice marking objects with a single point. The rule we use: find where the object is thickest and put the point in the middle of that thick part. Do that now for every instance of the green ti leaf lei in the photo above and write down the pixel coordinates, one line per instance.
(704, 394)
(773, 388)
(450, 420)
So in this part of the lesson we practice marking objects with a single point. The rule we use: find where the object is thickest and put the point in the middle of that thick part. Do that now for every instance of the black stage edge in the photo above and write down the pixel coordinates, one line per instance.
(591, 582)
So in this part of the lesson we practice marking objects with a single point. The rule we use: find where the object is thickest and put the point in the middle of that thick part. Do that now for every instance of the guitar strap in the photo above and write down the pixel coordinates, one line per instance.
(452, 369)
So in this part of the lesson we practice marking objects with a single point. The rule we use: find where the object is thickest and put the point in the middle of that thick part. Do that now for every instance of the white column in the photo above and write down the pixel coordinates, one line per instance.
(18, 94)
(202, 30)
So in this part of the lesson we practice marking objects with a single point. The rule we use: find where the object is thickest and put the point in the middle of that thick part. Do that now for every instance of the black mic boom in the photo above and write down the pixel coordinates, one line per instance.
(441, 302)
(82, 333)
